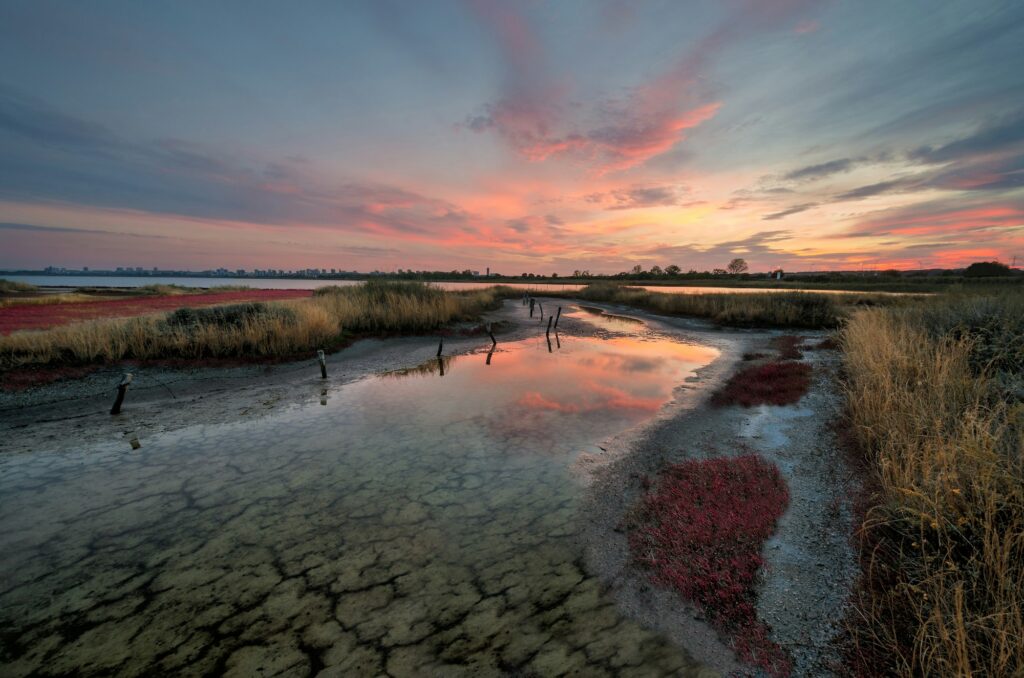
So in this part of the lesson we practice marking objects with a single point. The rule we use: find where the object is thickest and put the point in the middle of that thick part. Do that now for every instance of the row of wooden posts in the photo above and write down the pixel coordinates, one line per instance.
(321, 357)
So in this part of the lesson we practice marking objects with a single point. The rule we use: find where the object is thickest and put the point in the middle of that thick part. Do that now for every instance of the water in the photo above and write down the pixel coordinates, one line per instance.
(309, 284)
(415, 523)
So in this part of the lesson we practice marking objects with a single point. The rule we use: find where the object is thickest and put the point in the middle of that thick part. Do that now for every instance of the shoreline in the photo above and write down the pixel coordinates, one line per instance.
(165, 400)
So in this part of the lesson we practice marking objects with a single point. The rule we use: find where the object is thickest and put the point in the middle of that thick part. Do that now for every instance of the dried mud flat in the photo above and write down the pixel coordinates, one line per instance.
(811, 562)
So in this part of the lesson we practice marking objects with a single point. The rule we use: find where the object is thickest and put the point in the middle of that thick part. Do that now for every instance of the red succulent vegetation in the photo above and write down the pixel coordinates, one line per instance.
(700, 532)
(774, 383)
(41, 316)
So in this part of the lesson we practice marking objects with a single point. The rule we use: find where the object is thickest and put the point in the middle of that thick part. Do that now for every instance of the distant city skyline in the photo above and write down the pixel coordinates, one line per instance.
(524, 136)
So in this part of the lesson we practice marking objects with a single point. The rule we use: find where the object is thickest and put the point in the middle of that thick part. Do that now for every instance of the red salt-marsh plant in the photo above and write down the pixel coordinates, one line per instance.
(774, 383)
(700, 533)
(39, 316)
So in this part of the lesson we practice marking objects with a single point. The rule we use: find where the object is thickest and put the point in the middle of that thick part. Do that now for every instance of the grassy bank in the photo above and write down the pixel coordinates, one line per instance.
(12, 287)
(275, 329)
(797, 309)
(936, 399)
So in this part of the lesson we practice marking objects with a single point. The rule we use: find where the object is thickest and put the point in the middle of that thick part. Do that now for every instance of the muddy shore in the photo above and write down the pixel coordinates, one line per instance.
(811, 562)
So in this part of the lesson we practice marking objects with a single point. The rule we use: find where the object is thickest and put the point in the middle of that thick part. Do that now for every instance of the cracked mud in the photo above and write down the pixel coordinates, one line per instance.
(413, 525)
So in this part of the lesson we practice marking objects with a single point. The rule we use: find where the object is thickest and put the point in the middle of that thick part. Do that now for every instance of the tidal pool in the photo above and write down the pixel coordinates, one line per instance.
(414, 524)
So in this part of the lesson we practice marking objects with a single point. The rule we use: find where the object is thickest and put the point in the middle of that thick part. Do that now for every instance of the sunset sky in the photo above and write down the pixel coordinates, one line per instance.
(542, 136)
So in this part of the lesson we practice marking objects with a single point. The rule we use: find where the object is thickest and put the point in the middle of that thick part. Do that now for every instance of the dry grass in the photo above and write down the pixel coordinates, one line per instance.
(47, 299)
(275, 329)
(786, 309)
(12, 287)
(933, 402)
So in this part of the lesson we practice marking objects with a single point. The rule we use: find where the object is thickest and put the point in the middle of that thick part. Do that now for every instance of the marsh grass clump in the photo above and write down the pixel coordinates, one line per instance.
(789, 309)
(248, 330)
(231, 315)
(700, 532)
(14, 287)
(773, 383)
(930, 399)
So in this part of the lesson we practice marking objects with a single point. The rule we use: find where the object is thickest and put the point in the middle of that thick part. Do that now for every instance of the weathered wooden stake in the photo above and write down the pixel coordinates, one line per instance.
(548, 333)
(440, 347)
(559, 315)
(121, 388)
(489, 354)
(440, 363)
(494, 342)
(558, 341)
(549, 344)
(541, 307)
(532, 302)
(323, 363)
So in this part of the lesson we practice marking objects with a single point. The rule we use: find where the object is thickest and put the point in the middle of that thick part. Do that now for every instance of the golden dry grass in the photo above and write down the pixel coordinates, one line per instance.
(12, 287)
(46, 299)
(785, 309)
(249, 330)
(942, 589)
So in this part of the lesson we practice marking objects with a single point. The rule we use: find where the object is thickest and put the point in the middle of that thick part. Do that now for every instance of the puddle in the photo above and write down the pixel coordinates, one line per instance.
(408, 522)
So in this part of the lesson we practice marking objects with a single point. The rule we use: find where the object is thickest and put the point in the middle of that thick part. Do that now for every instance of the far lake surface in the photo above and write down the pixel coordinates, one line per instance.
(418, 522)
(310, 284)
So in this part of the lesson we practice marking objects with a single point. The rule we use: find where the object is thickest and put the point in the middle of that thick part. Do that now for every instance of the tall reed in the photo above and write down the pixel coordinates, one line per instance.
(942, 543)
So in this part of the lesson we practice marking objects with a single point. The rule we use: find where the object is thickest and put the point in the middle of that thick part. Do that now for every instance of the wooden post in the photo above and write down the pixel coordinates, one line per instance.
(323, 363)
(559, 315)
(440, 347)
(121, 388)
(541, 307)
(548, 333)
(494, 342)
(549, 343)
(440, 364)
(532, 302)
(489, 354)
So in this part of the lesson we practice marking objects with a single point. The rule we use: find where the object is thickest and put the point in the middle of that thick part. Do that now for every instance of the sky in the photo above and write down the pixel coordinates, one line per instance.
(543, 136)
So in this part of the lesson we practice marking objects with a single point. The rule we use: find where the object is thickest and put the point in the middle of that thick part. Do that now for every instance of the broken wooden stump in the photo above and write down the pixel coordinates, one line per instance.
(121, 388)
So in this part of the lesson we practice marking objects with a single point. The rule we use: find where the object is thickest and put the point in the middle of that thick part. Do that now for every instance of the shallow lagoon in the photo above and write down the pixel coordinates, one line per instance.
(413, 523)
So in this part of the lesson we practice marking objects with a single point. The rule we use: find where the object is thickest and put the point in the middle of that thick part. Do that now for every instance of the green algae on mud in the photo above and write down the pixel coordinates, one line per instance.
(413, 524)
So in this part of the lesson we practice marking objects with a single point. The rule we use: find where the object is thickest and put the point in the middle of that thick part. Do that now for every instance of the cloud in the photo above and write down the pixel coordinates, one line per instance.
(637, 197)
(795, 209)
(11, 226)
(532, 114)
(966, 222)
(998, 137)
(628, 140)
(757, 248)
(50, 156)
(882, 187)
(812, 172)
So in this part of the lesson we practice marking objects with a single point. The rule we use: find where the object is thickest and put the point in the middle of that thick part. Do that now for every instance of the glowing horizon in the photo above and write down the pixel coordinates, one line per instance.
(520, 136)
